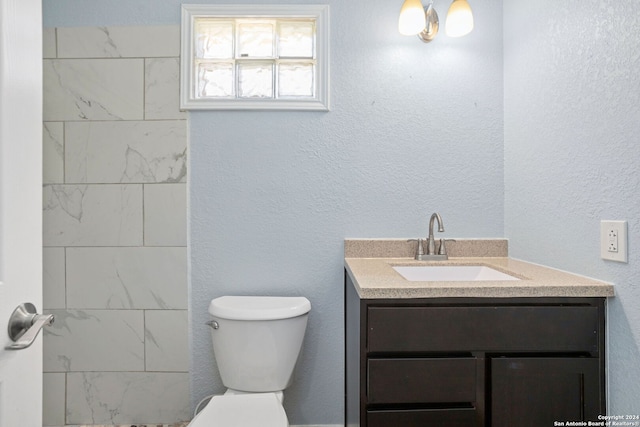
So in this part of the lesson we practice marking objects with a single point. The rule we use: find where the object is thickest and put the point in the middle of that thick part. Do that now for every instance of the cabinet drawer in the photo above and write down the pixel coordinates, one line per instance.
(519, 329)
(438, 380)
(459, 417)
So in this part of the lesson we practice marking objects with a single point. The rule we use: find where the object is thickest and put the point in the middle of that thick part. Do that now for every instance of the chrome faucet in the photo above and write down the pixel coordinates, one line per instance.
(431, 244)
(431, 254)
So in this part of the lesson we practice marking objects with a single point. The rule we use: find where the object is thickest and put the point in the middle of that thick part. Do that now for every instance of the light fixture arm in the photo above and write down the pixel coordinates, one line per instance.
(432, 24)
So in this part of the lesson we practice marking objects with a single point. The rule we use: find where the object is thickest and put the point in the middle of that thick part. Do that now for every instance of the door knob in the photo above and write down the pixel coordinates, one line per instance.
(24, 325)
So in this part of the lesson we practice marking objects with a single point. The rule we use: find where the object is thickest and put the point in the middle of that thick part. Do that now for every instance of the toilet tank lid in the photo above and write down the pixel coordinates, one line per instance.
(258, 308)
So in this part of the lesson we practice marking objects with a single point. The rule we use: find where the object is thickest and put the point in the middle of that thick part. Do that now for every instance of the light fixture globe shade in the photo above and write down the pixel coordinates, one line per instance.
(459, 19)
(412, 19)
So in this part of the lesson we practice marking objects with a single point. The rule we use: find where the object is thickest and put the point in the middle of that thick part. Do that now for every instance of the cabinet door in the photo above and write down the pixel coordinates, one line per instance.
(534, 392)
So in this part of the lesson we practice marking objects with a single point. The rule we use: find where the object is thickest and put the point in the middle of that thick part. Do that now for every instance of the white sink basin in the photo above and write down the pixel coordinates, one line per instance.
(451, 273)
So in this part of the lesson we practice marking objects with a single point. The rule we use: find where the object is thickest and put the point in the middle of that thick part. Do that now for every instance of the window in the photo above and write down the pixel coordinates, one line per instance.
(255, 57)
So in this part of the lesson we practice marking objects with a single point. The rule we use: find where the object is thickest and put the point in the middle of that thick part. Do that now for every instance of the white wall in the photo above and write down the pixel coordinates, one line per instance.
(572, 153)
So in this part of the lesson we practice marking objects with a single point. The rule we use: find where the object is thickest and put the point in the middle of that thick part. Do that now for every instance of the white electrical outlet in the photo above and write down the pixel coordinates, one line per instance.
(612, 235)
(613, 240)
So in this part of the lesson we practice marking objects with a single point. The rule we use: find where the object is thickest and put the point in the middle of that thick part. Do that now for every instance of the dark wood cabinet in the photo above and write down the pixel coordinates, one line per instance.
(485, 362)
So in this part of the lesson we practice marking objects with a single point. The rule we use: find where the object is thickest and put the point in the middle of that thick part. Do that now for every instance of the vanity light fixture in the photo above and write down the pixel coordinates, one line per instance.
(412, 18)
(459, 19)
(424, 22)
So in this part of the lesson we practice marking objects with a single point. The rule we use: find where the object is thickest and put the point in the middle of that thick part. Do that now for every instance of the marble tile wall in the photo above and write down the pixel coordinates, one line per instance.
(114, 201)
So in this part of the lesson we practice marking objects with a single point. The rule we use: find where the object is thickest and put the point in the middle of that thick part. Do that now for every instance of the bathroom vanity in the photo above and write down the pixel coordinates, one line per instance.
(525, 352)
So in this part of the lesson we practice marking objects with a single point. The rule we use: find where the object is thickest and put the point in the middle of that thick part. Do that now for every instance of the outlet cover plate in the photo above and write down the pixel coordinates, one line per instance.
(613, 240)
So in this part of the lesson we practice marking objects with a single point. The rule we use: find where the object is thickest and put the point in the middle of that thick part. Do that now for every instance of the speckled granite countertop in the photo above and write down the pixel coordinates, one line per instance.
(369, 264)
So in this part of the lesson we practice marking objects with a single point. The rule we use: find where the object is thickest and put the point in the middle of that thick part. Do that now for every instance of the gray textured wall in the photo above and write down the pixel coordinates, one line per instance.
(572, 120)
(416, 128)
(413, 129)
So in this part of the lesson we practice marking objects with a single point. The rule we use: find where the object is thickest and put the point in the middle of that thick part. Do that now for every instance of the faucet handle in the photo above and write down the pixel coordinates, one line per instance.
(419, 249)
(442, 250)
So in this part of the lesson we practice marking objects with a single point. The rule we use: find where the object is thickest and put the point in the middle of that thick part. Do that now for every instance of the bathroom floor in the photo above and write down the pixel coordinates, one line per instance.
(184, 424)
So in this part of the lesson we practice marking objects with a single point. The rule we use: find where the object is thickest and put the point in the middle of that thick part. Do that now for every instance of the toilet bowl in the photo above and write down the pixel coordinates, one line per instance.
(242, 410)
(256, 342)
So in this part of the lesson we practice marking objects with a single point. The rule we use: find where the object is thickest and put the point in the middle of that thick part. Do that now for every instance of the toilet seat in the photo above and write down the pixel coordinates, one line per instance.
(242, 410)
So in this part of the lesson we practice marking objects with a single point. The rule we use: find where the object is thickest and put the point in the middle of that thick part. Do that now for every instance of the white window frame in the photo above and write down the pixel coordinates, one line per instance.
(190, 12)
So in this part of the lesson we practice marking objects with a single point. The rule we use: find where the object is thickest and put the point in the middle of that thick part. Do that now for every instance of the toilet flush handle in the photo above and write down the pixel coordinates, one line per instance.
(213, 324)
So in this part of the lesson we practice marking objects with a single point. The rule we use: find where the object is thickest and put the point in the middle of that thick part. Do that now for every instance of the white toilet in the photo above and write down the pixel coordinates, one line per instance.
(256, 341)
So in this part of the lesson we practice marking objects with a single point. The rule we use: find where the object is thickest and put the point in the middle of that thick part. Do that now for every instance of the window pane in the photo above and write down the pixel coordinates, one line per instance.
(255, 40)
(214, 39)
(296, 79)
(296, 40)
(255, 80)
(254, 56)
(215, 80)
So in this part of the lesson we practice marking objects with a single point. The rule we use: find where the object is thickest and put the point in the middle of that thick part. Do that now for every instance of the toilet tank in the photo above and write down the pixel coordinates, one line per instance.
(257, 340)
